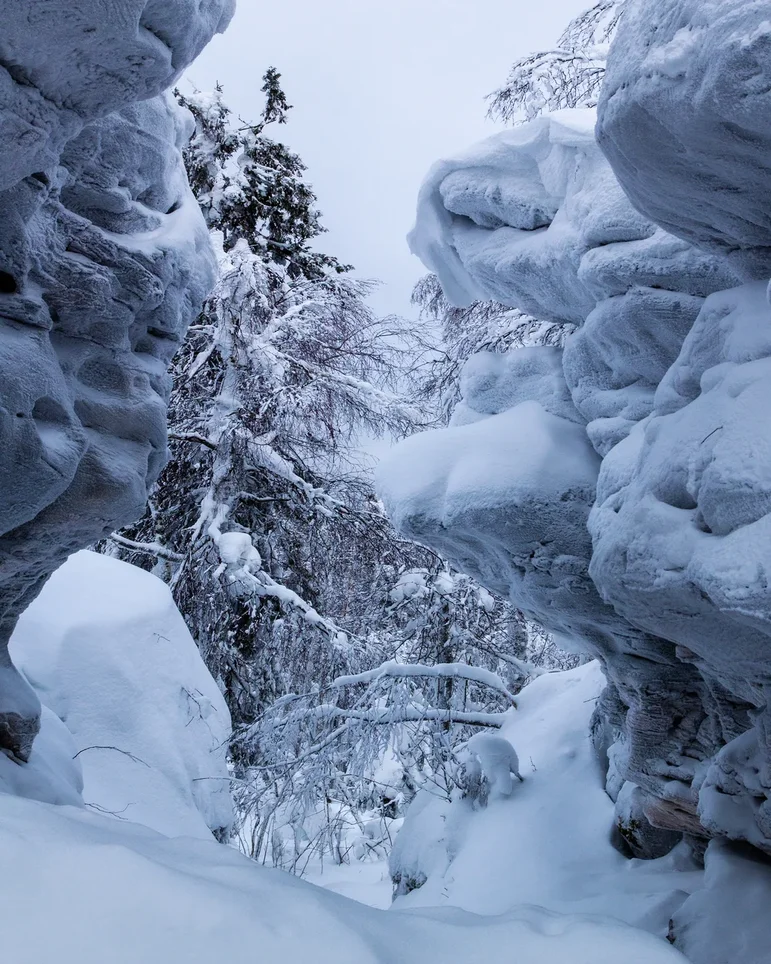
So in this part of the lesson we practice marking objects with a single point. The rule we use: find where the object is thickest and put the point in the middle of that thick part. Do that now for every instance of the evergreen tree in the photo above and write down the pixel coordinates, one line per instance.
(265, 504)
(251, 187)
(337, 644)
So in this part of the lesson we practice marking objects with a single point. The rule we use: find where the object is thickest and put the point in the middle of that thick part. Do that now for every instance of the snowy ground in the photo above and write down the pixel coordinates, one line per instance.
(368, 882)
(83, 887)
(549, 843)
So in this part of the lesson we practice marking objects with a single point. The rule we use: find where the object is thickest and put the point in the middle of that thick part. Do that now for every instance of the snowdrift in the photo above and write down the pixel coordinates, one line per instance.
(548, 844)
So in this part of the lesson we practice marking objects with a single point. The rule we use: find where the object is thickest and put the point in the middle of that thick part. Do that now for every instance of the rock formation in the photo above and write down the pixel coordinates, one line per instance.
(621, 494)
(104, 260)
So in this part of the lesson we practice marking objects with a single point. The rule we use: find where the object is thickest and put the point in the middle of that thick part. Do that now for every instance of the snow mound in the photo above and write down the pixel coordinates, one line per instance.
(107, 651)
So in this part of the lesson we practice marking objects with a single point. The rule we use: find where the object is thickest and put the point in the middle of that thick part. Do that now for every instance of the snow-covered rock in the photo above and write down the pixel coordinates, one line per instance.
(685, 120)
(107, 651)
(535, 218)
(681, 532)
(660, 256)
(104, 260)
(498, 762)
(508, 497)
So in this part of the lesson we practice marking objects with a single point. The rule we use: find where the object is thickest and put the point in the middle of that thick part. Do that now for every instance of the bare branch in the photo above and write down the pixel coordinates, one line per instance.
(150, 548)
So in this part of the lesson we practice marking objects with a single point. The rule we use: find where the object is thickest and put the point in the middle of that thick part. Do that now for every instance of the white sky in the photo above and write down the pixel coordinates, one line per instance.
(381, 89)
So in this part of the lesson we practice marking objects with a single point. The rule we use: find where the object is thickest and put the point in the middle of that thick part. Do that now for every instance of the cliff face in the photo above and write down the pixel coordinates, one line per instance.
(683, 515)
(621, 493)
(104, 260)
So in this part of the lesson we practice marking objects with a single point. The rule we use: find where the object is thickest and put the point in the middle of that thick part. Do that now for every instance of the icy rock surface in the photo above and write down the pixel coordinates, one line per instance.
(669, 379)
(104, 260)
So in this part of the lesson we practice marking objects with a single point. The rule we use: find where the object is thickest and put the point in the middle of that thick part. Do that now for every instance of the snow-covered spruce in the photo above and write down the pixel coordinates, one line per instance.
(284, 368)
(265, 525)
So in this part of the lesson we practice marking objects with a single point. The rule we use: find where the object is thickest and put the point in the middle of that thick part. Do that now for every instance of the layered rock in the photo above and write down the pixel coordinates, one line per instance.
(104, 260)
(534, 218)
(667, 371)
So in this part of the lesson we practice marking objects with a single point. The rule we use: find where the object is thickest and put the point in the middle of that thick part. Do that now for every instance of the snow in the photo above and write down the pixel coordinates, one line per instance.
(365, 881)
(105, 261)
(507, 496)
(547, 844)
(105, 647)
(488, 221)
(498, 761)
(90, 889)
(727, 920)
(687, 498)
(107, 651)
(53, 773)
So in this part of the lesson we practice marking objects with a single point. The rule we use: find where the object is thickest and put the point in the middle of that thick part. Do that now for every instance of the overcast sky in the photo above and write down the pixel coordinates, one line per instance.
(381, 89)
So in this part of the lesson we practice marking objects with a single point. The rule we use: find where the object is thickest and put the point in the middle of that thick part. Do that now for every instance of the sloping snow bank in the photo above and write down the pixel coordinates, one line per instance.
(107, 651)
(549, 845)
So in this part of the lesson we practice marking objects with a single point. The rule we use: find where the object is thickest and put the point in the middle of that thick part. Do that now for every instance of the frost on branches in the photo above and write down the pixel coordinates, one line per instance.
(285, 367)
(354, 663)
(483, 326)
(338, 765)
(568, 75)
